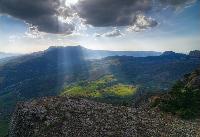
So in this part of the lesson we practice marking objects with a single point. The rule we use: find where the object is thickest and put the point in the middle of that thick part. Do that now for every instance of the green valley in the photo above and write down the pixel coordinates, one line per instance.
(106, 89)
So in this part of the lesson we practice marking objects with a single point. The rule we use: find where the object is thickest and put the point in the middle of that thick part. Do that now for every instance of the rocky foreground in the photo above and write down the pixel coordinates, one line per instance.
(75, 117)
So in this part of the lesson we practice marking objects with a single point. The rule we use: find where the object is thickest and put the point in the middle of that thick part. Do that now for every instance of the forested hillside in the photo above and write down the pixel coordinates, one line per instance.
(184, 98)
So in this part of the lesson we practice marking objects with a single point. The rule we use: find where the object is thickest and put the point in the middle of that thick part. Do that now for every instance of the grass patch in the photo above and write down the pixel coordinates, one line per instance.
(121, 90)
(106, 89)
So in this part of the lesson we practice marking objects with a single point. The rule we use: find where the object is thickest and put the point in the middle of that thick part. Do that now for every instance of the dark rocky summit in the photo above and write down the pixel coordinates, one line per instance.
(71, 117)
(172, 54)
(167, 53)
(75, 117)
(195, 53)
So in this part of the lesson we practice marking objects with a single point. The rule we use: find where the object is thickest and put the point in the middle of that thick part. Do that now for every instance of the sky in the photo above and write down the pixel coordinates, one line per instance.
(136, 25)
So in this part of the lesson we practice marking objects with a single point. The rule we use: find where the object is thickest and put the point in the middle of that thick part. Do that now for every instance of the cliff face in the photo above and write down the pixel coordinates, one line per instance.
(73, 117)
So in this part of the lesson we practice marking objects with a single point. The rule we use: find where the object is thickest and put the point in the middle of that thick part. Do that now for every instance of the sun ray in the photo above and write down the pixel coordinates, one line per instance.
(70, 2)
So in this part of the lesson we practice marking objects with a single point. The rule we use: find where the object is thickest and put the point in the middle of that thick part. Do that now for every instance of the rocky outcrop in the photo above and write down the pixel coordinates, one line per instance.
(192, 80)
(74, 117)
(71, 117)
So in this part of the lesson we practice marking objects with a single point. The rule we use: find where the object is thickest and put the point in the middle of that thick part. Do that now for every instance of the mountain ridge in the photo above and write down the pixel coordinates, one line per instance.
(98, 54)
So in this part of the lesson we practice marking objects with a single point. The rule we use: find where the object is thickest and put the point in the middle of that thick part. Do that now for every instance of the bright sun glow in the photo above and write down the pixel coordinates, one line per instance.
(70, 2)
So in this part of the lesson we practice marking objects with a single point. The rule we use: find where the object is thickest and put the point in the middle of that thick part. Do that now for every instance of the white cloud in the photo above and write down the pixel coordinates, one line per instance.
(33, 32)
(114, 33)
(142, 23)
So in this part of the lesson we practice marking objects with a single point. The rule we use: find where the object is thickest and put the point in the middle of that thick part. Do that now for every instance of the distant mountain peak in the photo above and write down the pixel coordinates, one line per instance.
(195, 53)
(53, 47)
(98, 54)
(173, 54)
(167, 53)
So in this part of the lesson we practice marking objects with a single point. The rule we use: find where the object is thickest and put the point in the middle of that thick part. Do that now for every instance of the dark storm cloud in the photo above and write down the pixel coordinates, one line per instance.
(101, 13)
(40, 13)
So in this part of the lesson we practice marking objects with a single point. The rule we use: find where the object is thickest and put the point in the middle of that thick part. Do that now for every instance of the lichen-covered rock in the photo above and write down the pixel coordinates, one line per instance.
(71, 117)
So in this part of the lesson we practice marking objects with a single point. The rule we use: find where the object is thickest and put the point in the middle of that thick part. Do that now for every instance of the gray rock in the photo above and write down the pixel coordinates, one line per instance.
(71, 117)
(75, 117)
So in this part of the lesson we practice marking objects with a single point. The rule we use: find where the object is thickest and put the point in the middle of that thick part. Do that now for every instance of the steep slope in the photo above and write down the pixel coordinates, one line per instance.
(184, 98)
